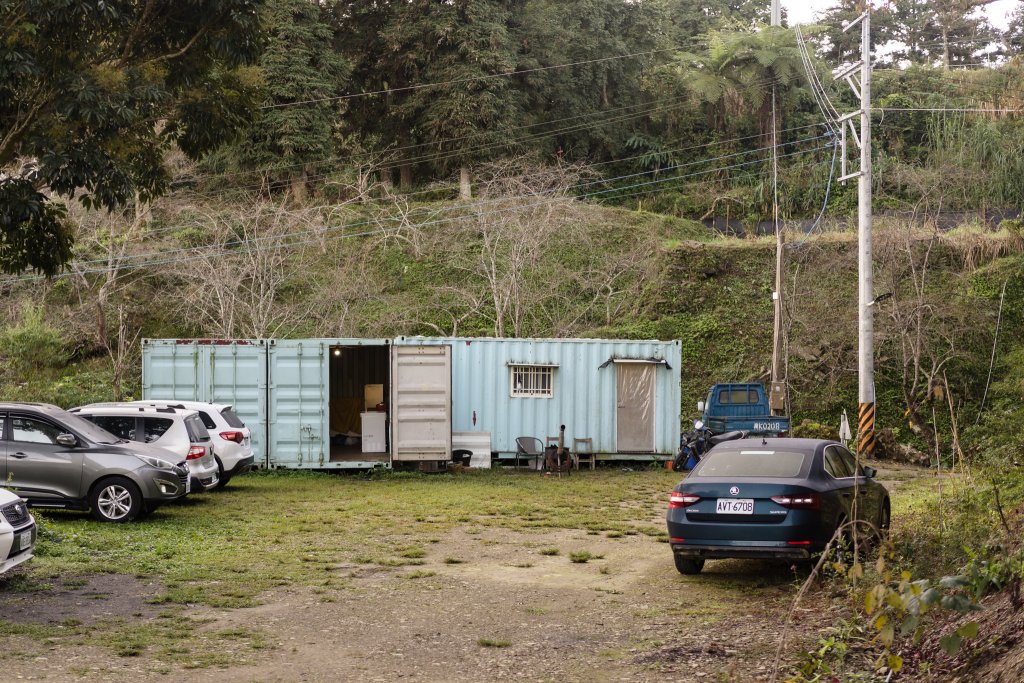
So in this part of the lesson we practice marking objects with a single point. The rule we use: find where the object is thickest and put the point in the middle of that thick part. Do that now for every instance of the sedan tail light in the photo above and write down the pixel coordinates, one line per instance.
(237, 437)
(805, 501)
(682, 500)
(196, 452)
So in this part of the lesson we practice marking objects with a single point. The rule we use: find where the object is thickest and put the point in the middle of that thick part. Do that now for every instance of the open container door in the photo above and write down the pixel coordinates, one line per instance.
(421, 403)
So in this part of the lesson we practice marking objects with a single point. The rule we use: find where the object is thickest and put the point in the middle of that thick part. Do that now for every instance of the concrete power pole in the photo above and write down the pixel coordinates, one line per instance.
(777, 396)
(866, 297)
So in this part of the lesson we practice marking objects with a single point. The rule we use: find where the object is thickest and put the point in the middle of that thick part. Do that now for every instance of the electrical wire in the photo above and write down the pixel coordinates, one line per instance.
(248, 245)
(467, 79)
(459, 208)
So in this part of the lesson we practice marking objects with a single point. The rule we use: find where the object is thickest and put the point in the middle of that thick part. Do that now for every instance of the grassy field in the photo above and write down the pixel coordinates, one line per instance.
(369, 543)
(282, 530)
(275, 528)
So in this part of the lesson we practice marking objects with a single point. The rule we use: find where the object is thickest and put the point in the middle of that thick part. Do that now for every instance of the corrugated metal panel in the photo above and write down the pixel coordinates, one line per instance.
(299, 395)
(237, 374)
(421, 404)
(299, 402)
(584, 397)
(214, 371)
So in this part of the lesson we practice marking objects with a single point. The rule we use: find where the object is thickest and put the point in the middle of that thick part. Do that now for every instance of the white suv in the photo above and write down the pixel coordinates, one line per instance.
(17, 531)
(177, 430)
(231, 438)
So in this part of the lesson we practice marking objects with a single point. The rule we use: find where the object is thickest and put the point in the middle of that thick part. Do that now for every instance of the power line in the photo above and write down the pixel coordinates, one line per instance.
(491, 201)
(467, 79)
(248, 245)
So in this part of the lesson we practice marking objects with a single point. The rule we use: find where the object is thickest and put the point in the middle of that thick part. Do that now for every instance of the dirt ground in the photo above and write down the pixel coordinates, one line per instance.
(508, 612)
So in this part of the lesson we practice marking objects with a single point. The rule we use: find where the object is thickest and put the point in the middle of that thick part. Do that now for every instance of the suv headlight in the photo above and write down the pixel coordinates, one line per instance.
(155, 462)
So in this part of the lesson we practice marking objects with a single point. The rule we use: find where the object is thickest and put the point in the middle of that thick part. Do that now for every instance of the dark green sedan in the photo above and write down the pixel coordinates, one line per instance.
(770, 498)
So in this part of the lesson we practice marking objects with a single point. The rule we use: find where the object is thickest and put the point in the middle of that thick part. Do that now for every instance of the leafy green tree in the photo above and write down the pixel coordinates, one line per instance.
(1014, 34)
(92, 92)
(839, 46)
(461, 45)
(733, 78)
(598, 103)
(947, 32)
(302, 77)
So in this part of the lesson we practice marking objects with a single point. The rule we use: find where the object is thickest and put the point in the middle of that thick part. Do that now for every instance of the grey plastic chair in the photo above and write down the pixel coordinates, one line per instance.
(530, 447)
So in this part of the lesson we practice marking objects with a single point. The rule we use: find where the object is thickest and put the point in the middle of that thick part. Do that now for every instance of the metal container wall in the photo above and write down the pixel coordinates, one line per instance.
(584, 396)
(299, 402)
(283, 387)
(233, 372)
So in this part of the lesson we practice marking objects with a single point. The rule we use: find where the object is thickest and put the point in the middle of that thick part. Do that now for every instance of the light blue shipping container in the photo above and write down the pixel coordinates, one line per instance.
(360, 403)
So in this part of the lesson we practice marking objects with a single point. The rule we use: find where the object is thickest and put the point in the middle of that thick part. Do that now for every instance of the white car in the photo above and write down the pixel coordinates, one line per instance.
(177, 430)
(17, 531)
(231, 438)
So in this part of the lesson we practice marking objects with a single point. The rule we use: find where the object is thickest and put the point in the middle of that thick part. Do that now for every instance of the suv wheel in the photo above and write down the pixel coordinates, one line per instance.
(223, 478)
(115, 500)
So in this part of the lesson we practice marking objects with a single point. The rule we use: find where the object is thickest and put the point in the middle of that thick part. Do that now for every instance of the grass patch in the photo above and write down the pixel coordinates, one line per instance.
(550, 552)
(489, 642)
(583, 556)
(421, 574)
(453, 560)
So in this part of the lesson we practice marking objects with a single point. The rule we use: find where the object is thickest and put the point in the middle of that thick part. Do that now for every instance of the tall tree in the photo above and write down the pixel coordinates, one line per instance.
(92, 92)
(463, 46)
(592, 36)
(946, 32)
(302, 77)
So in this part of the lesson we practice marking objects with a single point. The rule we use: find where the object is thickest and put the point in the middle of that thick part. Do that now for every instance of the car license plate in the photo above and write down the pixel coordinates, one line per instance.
(188, 484)
(25, 540)
(735, 506)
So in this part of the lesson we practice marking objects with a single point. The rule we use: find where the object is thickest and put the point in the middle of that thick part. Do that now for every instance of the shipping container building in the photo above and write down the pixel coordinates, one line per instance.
(363, 403)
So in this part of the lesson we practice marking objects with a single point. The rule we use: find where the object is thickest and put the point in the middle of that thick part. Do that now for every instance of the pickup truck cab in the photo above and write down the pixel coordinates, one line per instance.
(731, 407)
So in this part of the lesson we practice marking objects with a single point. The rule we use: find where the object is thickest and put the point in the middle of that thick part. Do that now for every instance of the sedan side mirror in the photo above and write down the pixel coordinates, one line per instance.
(67, 440)
(869, 471)
(700, 406)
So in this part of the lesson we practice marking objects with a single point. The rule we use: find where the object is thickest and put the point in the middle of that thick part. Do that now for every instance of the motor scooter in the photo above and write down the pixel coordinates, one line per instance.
(695, 443)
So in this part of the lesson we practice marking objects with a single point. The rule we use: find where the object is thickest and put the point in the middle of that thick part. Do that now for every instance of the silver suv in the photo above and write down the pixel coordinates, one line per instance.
(52, 458)
(232, 445)
(180, 431)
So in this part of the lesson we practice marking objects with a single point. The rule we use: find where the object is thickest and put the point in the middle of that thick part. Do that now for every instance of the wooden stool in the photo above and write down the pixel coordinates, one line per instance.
(586, 453)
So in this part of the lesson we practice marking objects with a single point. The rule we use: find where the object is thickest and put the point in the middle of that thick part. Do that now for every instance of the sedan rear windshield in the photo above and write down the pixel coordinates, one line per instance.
(751, 463)
(232, 419)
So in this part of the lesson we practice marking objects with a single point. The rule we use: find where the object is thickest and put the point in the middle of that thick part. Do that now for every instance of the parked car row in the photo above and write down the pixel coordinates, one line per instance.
(117, 460)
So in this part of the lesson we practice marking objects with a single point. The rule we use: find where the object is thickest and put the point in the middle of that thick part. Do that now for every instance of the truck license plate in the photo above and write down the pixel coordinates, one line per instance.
(25, 540)
(735, 506)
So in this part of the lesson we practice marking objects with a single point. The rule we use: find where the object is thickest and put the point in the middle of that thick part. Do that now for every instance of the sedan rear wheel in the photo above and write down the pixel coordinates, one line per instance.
(884, 519)
(115, 500)
(689, 565)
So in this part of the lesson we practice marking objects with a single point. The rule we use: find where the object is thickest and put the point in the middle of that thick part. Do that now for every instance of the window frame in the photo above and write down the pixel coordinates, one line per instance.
(9, 428)
(825, 462)
(539, 370)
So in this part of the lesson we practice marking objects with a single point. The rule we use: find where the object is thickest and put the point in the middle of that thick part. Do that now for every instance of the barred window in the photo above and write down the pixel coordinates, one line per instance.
(532, 380)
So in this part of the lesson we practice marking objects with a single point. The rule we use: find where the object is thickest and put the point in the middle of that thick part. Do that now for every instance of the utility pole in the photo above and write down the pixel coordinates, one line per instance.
(865, 297)
(777, 393)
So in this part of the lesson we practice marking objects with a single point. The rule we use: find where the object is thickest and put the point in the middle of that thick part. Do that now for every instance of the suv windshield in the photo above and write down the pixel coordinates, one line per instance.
(751, 463)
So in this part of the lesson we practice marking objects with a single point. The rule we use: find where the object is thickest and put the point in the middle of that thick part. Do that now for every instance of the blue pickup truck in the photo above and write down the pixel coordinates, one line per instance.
(744, 407)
